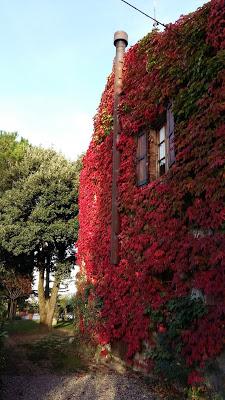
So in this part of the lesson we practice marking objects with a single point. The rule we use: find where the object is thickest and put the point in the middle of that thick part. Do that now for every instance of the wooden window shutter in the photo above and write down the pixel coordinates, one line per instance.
(142, 159)
(152, 155)
(170, 135)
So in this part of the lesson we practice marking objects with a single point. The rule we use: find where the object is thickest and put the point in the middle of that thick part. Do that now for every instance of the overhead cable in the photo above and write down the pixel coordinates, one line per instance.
(142, 12)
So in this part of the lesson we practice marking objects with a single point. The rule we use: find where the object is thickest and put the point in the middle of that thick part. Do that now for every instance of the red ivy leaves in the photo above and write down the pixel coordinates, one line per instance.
(216, 24)
(171, 237)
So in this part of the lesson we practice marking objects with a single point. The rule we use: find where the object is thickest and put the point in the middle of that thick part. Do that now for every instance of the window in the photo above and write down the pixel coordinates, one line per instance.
(165, 143)
(155, 149)
(142, 159)
(170, 135)
(162, 151)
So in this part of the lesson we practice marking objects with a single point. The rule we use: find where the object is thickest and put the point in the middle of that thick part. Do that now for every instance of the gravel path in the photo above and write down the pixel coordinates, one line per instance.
(98, 381)
(86, 386)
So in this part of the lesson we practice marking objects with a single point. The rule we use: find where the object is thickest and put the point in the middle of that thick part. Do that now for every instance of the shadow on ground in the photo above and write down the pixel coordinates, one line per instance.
(57, 366)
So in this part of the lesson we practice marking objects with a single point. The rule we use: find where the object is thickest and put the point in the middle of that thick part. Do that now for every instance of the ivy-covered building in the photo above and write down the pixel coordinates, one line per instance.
(165, 296)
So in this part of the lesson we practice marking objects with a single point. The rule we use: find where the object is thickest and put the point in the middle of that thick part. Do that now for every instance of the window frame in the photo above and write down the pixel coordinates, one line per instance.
(151, 169)
(170, 136)
(158, 159)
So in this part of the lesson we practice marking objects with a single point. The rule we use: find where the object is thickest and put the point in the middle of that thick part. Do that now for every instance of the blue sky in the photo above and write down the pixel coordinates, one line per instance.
(55, 58)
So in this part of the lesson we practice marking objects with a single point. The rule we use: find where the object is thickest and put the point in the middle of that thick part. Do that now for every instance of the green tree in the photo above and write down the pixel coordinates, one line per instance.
(38, 219)
(65, 307)
(12, 151)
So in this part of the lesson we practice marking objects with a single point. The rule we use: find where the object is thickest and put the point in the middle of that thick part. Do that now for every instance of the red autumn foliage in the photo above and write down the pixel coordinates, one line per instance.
(173, 226)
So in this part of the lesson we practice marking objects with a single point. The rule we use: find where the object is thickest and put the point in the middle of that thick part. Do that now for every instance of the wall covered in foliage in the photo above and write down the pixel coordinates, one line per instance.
(172, 229)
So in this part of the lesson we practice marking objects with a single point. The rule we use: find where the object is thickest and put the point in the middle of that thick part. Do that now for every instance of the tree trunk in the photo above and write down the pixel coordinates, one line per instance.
(41, 297)
(14, 308)
(47, 279)
(47, 305)
(11, 307)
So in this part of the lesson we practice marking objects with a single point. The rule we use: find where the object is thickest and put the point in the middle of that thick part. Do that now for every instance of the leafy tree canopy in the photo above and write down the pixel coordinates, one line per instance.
(12, 151)
(38, 218)
(40, 207)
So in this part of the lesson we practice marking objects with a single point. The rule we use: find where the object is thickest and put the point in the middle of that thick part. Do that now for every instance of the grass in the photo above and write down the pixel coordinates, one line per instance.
(22, 326)
(65, 325)
(57, 352)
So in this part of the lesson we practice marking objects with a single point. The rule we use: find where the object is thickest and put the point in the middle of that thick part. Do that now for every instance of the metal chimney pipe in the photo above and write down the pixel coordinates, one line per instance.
(120, 42)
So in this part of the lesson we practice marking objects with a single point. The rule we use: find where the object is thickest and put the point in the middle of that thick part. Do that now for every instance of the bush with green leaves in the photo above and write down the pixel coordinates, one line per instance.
(181, 313)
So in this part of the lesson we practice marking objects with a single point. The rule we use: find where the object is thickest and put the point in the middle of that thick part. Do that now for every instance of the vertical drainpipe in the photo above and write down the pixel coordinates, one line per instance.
(120, 42)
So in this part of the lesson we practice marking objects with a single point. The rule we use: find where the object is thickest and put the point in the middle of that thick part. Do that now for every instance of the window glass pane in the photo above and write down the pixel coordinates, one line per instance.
(162, 150)
(162, 134)
(162, 167)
